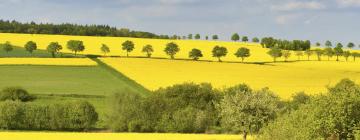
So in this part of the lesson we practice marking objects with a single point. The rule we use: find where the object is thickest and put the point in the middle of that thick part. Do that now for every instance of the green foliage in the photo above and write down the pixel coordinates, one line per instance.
(7, 47)
(318, 44)
(275, 53)
(346, 54)
(197, 36)
(338, 51)
(308, 53)
(319, 53)
(71, 116)
(30, 46)
(128, 46)
(286, 54)
(53, 48)
(328, 44)
(190, 36)
(15, 94)
(105, 49)
(148, 49)
(219, 51)
(355, 55)
(245, 39)
(329, 52)
(235, 37)
(195, 54)
(171, 49)
(75, 46)
(351, 45)
(243, 53)
(269, 42)
(215, 37)
(255, 40)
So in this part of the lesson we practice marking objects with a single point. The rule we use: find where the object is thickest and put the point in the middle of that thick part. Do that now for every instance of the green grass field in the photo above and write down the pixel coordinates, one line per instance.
(22, 53)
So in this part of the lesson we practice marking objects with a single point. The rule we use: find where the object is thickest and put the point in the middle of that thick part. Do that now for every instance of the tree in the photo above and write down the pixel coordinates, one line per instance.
(105, 49)
(328, 44)
(7, 47)
(207, 37)
(171, 49)
(329, 52)
(30, 46)
(318, 44)
(195, 54)
(148, 49)
(15, 94)
(190, 36)
(75, 46)
(268, 42)
(128, 46)
(347, 54)
(215, 37)
(242, 53)
(319, 53)
(286, 54)
(255, 40)
(351, 45)
(53, 48)
(355, 54)
(197, 36)
(235, 37)
(308, 53)
(299, 54)
(275, 52)
(219, 51)
(338, 51)
(245, 39)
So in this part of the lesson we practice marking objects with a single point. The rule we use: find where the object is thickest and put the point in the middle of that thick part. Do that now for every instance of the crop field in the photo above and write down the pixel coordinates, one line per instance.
(48, 61)
(113, 136)
(283, 78)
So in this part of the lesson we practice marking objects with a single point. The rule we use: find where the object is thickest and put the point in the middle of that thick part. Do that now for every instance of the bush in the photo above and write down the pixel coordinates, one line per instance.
(15, 94)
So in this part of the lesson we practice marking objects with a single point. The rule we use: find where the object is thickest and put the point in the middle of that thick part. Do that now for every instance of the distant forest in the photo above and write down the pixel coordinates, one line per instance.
(73, 29)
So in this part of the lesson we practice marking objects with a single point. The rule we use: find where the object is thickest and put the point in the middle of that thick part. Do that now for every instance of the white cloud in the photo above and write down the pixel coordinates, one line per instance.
(297, 5)
(348, 3)
(285, 19)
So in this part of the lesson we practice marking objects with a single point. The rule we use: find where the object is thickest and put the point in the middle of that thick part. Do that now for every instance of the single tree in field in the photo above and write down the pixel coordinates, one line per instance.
(319, 53)
(128, 46)
(235, 37)
(242, 53)
(148, 49)
(328, 44)
(317, 44)
(207, 37)
(215, 37)
(53, 48)
(355, 54)
(219, 52)
(75, 46)
(7, 47)
(339, 45)
(197, 36)
(30, 46)
(286, 54)
(171, 49)
(308, 53)
(338, 51)
(347, 54)
(190, 36)
(105, 49)
(299, 54)
(329, 52)
(245, 39)
(255, 40)
(195, 54)
(351, 45)
(275, 52)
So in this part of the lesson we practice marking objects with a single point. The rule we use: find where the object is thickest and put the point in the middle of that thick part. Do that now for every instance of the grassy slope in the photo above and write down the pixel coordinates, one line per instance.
(42, 53)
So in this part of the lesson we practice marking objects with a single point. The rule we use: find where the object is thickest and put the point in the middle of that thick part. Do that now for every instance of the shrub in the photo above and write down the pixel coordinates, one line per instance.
(15, 94)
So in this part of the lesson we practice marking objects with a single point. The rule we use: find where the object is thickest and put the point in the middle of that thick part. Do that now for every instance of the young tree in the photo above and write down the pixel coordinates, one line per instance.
(299, 54)
(245, 39)
(53, 48)
(319, 53)
(328, 44)
(128, 46)
(171, 49)
(242, 53)
(197, 36)
(7, 47)
(215, 37)
(355, 54)
(219, 52)
(338, 51)
(308, 53)
(195, 54)
(235, 37)
(207, 37)
(286, 54)
(255, 40)
(275, 52)
(75, 46)
(30, 46)
(329, 52)
(347, 54)
(190, 36)
(351, 45)
(105, 49)
(148, 49)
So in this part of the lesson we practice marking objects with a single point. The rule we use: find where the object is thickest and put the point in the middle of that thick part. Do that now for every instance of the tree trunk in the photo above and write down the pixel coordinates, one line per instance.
(242, 59)
(354, 58)
(219, 59)
(127, 54)
(337, 58)
(274, 59)
(75, 53)
(53, 54)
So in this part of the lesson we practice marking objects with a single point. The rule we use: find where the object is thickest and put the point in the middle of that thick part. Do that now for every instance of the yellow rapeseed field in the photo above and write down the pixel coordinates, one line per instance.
(113, 136)
(48, 61)
(283, 78)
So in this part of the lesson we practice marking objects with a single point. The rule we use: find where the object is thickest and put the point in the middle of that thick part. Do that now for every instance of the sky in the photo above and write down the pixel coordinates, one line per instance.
(315, 20)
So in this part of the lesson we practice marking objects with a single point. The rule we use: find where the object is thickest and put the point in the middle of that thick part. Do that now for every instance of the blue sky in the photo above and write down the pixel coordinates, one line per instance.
(317, 20)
